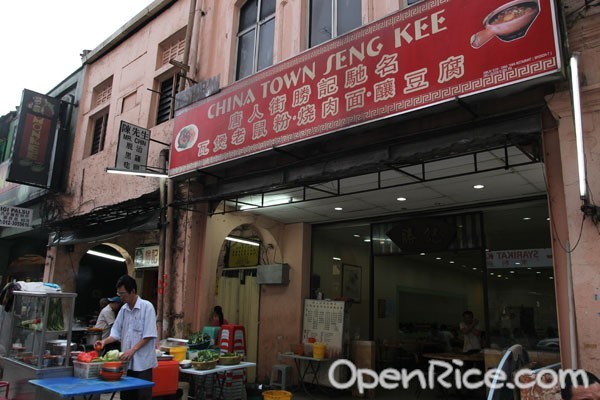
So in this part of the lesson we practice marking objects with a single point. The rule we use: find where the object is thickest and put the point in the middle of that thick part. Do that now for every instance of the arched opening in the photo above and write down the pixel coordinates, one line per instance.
(238, 292)
(99, 270)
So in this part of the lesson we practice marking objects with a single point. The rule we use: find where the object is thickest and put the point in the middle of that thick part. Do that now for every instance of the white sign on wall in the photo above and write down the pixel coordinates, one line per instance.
(532, 258)
(132, 149)
(147, 256)
(15, 217)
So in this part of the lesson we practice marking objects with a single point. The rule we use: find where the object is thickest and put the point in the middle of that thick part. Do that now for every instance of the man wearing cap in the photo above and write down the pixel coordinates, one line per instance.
(107, 315)
(106, 319)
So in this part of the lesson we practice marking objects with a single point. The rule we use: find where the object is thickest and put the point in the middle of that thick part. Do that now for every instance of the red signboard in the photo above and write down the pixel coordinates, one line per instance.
(32, 156)
(427, 54)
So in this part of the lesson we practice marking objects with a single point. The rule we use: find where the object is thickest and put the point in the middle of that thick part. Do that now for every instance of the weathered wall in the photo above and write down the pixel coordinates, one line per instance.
(584, 37)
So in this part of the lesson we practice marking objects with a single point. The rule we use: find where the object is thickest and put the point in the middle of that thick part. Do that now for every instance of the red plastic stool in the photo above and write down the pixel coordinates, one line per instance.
(6, 386)
(232, 339)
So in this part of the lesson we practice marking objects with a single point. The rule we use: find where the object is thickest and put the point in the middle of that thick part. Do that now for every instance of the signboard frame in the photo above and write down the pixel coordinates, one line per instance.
(415, 58)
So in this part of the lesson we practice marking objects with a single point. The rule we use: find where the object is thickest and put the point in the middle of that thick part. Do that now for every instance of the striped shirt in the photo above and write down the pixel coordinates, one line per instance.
(131, 326)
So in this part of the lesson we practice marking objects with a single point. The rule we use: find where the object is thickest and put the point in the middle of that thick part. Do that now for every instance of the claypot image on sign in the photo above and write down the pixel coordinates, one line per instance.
(508, 22)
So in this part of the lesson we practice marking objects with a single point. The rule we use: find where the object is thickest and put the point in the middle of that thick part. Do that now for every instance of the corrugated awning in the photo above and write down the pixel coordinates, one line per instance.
(135, 215)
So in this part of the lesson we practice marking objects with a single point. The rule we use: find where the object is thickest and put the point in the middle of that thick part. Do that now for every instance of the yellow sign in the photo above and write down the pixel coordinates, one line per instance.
(242, 255)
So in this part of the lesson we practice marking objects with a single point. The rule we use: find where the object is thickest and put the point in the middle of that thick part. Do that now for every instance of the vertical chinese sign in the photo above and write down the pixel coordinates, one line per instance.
(32, 160)
(132, 149)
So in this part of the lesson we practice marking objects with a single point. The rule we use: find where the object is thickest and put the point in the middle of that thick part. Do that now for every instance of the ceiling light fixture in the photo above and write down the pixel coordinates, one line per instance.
(401, 199)
(104, 255)
(240, 240)
(338, 208)
(478, 186)
(337, 259)
(152, 174)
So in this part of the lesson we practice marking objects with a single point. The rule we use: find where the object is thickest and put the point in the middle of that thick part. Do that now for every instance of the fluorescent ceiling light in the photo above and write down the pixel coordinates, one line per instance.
(337, 259)
(574, 63)
(267, 202)
(479, 186)
(104, 255)
(138, 173)
(240, 240)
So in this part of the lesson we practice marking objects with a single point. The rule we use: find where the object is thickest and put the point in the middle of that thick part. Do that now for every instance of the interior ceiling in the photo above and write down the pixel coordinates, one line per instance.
(448, 184)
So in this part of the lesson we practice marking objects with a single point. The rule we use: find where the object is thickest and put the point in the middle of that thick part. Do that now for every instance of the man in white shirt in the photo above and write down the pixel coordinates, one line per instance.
(469, 327)
(135, 327)
(107, 315)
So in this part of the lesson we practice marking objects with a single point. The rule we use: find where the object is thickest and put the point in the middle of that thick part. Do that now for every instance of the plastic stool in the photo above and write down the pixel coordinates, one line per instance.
(5, 385)
(279, 370)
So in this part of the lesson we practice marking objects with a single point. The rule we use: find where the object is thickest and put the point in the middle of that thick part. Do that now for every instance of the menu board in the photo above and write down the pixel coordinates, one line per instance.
(326, 321)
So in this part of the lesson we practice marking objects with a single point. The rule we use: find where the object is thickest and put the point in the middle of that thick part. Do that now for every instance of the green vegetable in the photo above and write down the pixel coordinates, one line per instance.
(206, 355)
(198, 338)
(112, 355)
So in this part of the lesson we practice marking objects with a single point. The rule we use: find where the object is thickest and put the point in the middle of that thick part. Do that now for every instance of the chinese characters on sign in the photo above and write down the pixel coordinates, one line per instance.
(146, 257)
(132, 150)
(32, 162)
(15, 217)
(416, 58)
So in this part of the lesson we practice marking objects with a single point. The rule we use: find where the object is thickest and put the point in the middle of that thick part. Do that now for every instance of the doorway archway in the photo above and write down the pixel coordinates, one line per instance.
(99, 269)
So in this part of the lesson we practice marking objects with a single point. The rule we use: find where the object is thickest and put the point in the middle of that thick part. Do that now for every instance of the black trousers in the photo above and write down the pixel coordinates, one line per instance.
(139, 394)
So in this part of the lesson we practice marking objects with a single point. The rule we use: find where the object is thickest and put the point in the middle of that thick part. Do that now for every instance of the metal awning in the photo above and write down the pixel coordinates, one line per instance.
(136, 215)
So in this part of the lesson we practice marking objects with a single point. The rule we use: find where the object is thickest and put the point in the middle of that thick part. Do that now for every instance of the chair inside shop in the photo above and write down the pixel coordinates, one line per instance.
(514, 358)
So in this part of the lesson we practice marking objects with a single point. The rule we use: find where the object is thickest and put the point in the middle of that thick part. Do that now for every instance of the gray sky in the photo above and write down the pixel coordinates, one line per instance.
(41, 40)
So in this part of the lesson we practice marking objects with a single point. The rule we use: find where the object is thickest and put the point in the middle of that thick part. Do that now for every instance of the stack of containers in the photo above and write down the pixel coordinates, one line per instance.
(232, 339)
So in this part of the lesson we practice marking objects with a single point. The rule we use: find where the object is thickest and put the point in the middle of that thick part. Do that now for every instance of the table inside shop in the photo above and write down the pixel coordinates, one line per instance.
(308, 370)
(200, 376)
(70, 386)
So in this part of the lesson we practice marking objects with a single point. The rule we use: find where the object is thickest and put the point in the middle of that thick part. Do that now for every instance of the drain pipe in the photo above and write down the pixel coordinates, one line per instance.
(572, 325)
(162, 162)
(171, 312)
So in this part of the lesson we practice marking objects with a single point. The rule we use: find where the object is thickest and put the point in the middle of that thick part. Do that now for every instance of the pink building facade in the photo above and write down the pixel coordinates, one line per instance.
(131, 77)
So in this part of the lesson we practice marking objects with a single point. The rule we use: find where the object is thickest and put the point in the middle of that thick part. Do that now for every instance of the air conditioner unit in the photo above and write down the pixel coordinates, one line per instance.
(273, 274)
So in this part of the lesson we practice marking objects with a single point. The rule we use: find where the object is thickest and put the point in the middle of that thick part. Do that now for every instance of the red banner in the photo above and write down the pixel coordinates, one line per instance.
(424, 55)
(32, 161)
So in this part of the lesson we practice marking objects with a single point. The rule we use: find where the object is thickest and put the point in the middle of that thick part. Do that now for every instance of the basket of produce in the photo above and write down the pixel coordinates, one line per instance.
(199, 341)
(204, 365)
(205, 359)
(230, 358)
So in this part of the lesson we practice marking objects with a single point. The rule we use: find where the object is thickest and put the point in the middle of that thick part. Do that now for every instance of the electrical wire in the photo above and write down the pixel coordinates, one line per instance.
(553, 224)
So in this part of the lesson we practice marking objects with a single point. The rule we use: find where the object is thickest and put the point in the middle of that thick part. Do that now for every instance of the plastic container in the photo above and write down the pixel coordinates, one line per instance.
(319, 350)
(277, 395)
(178, 352)
(166, 378)
(308, 349)
(87, 370)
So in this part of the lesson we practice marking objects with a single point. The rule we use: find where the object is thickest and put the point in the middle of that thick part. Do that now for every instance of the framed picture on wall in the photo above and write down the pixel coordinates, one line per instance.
(351, 282)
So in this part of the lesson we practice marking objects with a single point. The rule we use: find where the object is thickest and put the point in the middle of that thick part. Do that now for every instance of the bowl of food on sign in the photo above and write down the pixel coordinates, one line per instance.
(508, 22)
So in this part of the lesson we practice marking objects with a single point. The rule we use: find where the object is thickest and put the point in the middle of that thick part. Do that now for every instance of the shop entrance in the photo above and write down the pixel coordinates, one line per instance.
(238, 292)
(495, 262)
(98, 272)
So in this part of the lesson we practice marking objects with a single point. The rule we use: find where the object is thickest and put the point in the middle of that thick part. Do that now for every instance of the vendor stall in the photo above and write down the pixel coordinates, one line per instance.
(40, 339)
